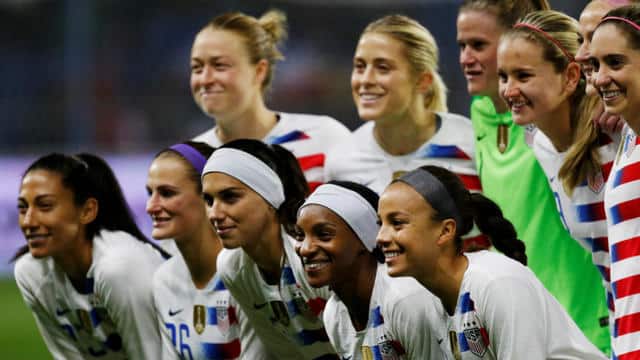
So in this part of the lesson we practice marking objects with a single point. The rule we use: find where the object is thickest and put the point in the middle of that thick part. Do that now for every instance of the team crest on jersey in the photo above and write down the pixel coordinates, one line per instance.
(222, 318)
(596, 182)
(199, 318)
(475, 338)
(397, 174)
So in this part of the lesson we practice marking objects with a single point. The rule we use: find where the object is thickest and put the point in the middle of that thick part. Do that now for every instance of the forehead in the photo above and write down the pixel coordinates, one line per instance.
(216, 42)
(401, 197)
(41, 182)
(313, 214)
(215, 182)
(169, 167)
(516, 50)
(591, 15)
(379, 45)
(609, 39)
(478, 24)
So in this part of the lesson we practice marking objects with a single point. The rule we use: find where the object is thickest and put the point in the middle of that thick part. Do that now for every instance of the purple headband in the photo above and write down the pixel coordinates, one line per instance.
(618, 18)
(546, 36)
(192, 155)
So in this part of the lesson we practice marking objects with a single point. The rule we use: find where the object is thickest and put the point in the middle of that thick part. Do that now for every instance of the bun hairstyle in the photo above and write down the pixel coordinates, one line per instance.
(89, 176)
(261, 36)
(447, 195)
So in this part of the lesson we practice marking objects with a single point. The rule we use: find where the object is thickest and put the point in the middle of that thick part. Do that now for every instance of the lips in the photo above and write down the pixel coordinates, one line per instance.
(36, 239)
(223, 230)
(610, 95)
(159, 221)
(311, 266)
(517, 105)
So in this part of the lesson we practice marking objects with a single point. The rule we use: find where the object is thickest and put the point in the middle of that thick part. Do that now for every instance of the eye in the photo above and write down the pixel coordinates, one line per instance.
(478, 45)
(358, 66)
(208, 199)
(523, 76)
(502, 76)
(196, 68)
(167, 193)
(595, 64)
(220, 66)
(22, 208)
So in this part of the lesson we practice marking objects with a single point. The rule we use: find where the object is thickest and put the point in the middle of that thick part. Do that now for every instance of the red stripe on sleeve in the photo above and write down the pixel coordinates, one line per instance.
(311, 161)
(627, 286)
(628, 324)
(471, 182)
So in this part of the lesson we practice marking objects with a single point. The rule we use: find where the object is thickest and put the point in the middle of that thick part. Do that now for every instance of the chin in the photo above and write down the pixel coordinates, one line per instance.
(230, 243)
(317, 282)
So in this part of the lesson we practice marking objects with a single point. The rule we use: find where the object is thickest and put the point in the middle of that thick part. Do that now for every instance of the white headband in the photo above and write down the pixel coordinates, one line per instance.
(248, 169)
(351, 207)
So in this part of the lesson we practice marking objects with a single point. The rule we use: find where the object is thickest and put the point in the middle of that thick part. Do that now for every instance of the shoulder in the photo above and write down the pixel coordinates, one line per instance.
(31, 273)
(229, 263)
(361, 140)
(456, 122)
(172, 269)
(119, 256)
(487, 268)
(208, 137)
(312, 121)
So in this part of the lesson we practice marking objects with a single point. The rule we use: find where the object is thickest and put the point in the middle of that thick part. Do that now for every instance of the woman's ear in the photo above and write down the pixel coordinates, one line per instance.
(425, 81)
(573, 75)
(89, 211)
(447, 232)
(262, 70)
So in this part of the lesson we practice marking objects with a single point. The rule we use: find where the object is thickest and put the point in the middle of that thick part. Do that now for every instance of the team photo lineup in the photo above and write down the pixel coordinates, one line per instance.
(513, 233)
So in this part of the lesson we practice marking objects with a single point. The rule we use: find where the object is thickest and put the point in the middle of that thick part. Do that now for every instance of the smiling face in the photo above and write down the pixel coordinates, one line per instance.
(223, 81)
(174, 204)
(329, 249)
(51, 221)
(589, 19)
(240, 216)
(529, 84)
(616, 69)
(478, 36)
(409, 234)
(383, 84)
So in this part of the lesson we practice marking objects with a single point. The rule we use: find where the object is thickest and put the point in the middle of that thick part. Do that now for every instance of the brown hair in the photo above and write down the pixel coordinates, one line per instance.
(506, 11)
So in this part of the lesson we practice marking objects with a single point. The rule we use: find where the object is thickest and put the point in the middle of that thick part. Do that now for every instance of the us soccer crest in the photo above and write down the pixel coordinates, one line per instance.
(222, 318)
(629, 143)
(389, 351)
(199, 318)
(475, 338)
(596, 182)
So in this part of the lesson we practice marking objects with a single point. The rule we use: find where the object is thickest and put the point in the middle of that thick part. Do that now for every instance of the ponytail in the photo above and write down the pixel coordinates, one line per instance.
(295, 185)
(491, 222)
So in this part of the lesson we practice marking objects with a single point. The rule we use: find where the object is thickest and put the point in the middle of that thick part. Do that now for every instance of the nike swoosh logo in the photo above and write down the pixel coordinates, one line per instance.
(259, 306)
(172, 313)
(440, 341)
(346, 358)
(62, 312)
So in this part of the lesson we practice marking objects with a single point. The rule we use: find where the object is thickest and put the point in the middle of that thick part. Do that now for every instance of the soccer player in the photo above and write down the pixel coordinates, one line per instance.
(616, 62)
(86, 268)
(253, 191)
(233, 59)
(543, 85)
(370, 315)
(511, 176)
(198, 317)
(397, 89)
(497, 308)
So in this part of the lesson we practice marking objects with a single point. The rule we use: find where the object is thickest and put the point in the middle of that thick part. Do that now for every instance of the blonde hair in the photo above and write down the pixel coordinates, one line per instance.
(421, 51)
(507, 12)
(262, 36)
(558, 35)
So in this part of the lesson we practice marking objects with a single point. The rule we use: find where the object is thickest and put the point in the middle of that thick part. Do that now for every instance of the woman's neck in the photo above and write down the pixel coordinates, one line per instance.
(268, 253)
(200, 251)
(498, 103)
(558, 128)
(355, 290)
(76, 262)
(446, 281)
(254, 123)
(405, 135)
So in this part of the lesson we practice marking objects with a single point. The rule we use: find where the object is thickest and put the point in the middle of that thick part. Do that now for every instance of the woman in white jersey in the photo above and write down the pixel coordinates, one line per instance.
(233, 59)
(253, 191)
(198, 317)
(370, 314)
(542, 84)
(399, 93)
(86, 268)
(497, 307)
(615, 57)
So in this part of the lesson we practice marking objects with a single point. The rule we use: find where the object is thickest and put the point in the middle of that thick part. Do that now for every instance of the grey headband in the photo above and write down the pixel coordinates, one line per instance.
(433, 191)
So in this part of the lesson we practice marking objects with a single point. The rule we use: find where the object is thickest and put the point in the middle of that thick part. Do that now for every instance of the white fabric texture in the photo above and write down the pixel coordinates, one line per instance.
(113, 318)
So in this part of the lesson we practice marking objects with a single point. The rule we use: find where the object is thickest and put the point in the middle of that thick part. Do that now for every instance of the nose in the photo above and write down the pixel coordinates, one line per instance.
(509, 88)
(384, 237)
(466, 56)
(28, 219)
(153, 204)
(305, 247)
(583, 53)
(601, 77)
(216, 212)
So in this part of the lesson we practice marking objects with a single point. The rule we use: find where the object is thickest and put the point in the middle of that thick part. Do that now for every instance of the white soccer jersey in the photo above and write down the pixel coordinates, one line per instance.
(112, 317)
(288, 316)
(362, 160)
(504, 312)
(582, 213)
(308, 137)
(401, 312)
(622, 204)
(203, 323)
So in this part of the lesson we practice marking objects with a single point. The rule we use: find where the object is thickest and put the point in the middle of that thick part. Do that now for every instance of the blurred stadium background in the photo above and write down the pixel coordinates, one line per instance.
(111, 77)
